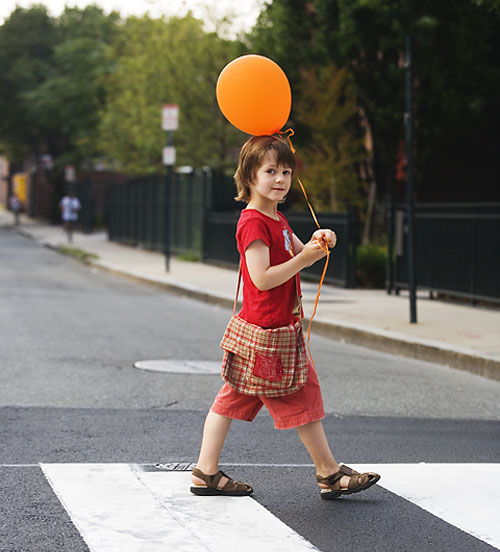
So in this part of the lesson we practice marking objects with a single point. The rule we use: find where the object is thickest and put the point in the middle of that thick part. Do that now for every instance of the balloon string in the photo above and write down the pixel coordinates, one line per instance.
(308, 204)
(290, 132)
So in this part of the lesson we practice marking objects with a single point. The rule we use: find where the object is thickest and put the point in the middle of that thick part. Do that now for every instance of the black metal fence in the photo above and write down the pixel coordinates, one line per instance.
(457, 250)
(137, 210)
(189, 197)
(83, 191)
(220, 244)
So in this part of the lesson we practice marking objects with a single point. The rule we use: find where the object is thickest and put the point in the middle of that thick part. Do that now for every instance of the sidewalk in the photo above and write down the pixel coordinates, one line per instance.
(460, 336)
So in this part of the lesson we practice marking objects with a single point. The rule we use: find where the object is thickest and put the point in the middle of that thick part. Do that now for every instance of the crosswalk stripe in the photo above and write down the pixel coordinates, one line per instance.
(118, 508)
(122, 508)
(464, 495)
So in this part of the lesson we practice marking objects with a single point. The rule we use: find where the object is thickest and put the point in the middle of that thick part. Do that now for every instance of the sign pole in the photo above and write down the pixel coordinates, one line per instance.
(170, 122)
(166, 214)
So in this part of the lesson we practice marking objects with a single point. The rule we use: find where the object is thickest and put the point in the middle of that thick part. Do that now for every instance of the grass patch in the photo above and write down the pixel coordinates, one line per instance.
(190, 256)
(76, 253)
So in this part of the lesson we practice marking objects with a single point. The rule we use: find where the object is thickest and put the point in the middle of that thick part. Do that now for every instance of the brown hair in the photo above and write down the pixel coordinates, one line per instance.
(251, 158)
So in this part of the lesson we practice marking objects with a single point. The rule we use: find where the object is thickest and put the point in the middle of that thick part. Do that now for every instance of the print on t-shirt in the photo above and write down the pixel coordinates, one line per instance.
(288, 241)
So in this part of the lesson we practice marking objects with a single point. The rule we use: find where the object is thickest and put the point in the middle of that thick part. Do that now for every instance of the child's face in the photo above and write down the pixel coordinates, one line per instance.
(271, 182)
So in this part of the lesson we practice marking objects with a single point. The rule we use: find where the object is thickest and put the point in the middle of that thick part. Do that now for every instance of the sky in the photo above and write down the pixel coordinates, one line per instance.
(243, 12)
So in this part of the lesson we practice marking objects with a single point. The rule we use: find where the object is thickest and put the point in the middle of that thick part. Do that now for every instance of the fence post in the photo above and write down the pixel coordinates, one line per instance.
(472, 289)
(412, 280)
(389, 278)
(207, 180)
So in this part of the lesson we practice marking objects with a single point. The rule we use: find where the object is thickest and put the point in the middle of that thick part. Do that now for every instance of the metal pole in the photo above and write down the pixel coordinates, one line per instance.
(169, 123)
(409, 188)
(389, 284)
(166, 214)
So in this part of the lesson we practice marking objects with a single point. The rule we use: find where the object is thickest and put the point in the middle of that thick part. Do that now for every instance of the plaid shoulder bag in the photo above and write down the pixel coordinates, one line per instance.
(268, 362)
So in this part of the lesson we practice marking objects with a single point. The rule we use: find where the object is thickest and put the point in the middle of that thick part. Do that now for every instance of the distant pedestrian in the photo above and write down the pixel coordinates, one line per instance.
(15, 207)
(255, 369)
(69, 205)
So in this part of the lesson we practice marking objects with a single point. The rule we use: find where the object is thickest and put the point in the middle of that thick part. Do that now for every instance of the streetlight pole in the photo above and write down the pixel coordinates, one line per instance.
(409, 187)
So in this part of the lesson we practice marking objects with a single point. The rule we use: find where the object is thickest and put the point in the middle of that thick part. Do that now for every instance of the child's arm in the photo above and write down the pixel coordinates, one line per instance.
(298, 246)
(267, 277)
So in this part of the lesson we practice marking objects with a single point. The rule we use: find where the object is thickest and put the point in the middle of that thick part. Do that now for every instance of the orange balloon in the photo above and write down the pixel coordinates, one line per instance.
(254, 95)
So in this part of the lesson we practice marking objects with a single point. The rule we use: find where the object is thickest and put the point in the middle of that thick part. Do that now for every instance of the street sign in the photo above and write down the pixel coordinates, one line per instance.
(20, 186)
(47, 161)
(169, 155)
(170, 117)
(69, 173)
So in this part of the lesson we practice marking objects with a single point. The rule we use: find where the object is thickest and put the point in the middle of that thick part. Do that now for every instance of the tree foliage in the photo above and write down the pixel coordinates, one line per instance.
(53, 70)
(87, 86)
(27, 41)
(327, 103)
(456, 57)
(166, 61)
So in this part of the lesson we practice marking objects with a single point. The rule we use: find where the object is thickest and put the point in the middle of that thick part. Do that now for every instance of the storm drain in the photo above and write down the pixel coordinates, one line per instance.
(199, 367)
(171, 466)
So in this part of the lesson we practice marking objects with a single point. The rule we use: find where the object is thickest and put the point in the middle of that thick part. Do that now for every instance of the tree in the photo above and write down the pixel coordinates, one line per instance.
(68, 102)
(27, 41)
(52, 70)
(166, 61)
(328, 105)
(456, 65)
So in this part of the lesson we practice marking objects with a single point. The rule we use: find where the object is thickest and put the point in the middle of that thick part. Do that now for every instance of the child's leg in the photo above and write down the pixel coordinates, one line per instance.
(314, 439)
(214, 436)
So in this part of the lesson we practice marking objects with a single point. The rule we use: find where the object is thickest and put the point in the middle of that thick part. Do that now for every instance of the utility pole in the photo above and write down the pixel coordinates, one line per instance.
(412, 286)
(169, 123)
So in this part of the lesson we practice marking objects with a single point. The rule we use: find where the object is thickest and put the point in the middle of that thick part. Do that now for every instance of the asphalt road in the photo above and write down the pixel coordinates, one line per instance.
(69, 393)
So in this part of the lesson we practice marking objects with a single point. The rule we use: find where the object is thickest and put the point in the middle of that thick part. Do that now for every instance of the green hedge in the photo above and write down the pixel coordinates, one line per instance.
(371, 263)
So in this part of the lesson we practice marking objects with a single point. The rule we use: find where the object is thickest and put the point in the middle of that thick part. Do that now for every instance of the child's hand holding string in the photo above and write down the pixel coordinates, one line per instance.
(312, 252)
(326, 237)
(318, 246)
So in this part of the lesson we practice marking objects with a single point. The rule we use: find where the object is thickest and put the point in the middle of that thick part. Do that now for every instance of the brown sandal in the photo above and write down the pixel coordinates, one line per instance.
(231, 488)
(358, 482)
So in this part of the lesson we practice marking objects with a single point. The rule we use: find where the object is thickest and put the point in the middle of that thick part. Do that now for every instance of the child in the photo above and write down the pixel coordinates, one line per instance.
(271, 256)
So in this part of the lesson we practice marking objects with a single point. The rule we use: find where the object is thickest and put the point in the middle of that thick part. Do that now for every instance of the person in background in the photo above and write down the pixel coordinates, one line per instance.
(15, 207)
(69, 205)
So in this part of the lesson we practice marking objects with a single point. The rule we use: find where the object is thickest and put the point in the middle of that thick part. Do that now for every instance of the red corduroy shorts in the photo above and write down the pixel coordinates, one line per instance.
(289, 411)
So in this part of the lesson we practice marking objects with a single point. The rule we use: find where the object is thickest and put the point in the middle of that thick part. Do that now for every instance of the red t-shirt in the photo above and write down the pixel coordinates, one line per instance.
(274, 307)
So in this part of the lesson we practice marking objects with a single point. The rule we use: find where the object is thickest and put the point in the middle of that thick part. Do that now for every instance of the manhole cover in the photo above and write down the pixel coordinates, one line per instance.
(207, 367)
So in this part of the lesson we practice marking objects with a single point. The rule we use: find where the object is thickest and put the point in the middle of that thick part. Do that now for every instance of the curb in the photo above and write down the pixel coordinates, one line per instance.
(173, 287)
(398, 344)
(391, 342)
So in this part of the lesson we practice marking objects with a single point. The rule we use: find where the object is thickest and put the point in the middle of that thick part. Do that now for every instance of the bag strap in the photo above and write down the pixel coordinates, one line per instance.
(237, 289)
(299, 301)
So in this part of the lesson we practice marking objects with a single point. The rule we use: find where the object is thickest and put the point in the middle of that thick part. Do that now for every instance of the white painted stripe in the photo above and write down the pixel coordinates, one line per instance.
(19, 465)
(464, 495)
(117, 508)
(249, 465)
(236, 464)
